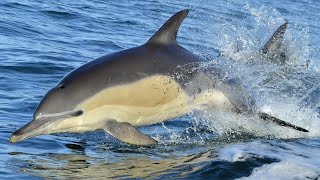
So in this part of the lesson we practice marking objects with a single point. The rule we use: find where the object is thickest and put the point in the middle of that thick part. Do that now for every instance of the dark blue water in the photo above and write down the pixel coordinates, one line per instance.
(42, 41)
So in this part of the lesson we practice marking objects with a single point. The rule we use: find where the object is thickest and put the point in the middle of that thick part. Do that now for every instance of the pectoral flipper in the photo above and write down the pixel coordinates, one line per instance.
(280, 122)
(127, 133)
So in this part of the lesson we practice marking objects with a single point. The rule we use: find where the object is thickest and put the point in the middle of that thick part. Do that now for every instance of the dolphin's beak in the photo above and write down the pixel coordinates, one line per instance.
(42, 125)
(29, 130)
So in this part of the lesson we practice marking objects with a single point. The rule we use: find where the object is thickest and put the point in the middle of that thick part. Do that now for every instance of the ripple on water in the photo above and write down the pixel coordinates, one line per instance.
(63, 15)
(34, 68)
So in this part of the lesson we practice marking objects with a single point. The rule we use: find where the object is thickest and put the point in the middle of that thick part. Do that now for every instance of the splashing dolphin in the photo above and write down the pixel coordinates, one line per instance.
(135, 87)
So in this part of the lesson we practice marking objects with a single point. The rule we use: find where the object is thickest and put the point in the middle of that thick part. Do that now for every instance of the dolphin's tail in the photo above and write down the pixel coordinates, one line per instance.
(272, 49)
(270, 118)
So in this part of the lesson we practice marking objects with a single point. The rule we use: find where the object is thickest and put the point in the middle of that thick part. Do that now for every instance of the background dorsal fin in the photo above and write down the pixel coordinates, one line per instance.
(167, 34)
(275, 41)
(272, 50)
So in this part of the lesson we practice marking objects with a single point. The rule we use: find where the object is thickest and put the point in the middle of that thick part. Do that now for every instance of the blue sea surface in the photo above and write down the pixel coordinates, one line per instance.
(41, 41)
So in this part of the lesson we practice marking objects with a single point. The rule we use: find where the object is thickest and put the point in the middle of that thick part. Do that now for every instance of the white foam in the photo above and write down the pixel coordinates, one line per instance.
(296, 160)
(284, 170)
(276, 90)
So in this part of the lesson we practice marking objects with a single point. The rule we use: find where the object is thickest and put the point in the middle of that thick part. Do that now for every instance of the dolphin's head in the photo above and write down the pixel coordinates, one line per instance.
(56, 106)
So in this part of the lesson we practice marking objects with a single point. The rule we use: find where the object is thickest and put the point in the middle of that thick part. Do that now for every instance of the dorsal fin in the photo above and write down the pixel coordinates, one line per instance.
(275, 41)
(167, 34)
(272, 51)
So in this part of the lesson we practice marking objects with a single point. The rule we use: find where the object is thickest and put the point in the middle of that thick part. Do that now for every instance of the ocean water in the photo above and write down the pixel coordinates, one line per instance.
(42, 41)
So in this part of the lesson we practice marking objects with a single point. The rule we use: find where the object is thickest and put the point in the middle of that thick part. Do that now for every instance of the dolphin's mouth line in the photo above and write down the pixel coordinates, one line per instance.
(66, 114)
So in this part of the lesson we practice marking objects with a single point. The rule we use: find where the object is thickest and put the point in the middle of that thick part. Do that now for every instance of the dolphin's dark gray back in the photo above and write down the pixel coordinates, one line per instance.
(134, 64)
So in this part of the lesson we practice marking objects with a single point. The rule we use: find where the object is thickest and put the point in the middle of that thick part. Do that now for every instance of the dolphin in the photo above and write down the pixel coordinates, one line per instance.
(140, 86)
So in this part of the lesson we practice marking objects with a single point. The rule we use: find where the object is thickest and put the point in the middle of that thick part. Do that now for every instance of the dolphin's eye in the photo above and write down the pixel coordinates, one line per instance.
(61, 86)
